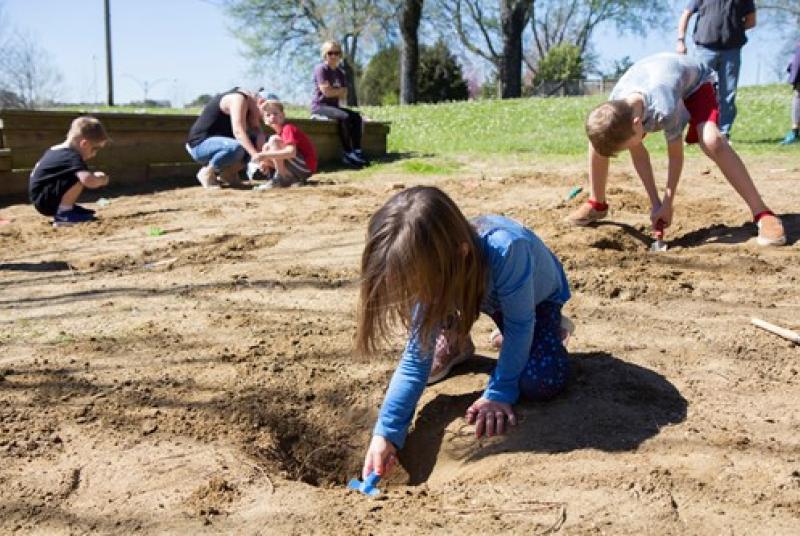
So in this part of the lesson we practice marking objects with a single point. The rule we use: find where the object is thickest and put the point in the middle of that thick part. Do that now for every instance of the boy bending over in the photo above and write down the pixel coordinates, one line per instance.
(665, 92)
(61, 173)
(290, 152)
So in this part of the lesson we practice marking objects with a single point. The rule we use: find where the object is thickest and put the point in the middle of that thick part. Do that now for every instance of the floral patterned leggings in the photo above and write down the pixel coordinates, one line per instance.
(548, 369)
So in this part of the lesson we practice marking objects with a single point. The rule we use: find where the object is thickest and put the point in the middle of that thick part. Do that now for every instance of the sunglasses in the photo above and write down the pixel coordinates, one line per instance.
(334, 53)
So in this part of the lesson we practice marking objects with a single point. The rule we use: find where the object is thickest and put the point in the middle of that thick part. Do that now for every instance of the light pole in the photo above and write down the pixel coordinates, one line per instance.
(109, 72)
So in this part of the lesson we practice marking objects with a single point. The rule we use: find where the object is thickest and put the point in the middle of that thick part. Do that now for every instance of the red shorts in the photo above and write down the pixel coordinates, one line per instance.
(703, 107)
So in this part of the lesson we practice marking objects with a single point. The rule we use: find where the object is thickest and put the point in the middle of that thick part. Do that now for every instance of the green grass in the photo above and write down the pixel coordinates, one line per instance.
(554, 126)
(429, 167)
(540, 127)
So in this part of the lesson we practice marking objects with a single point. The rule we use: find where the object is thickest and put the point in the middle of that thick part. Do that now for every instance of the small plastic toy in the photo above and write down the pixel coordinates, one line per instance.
(659, 244)
(367, 487)
(573, 193)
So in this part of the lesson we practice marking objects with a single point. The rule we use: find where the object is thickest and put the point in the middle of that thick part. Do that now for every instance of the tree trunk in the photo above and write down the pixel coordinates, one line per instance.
(514, 15)
(350, 75)
(350, 45)
(410, 16)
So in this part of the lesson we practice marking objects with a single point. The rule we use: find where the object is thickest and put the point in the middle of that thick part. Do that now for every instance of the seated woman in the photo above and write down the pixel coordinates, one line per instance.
(226, 136)
(330, 86)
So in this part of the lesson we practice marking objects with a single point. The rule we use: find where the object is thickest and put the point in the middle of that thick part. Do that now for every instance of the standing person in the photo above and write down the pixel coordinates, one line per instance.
(425, 265)
(665, 92)
(720, 35)
(225, 136)
(330, 88)
(794, 78)
(61, 174)
(290, 152)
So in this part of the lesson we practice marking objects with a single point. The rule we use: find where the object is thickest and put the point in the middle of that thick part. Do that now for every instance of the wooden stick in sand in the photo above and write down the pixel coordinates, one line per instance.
(777, 330)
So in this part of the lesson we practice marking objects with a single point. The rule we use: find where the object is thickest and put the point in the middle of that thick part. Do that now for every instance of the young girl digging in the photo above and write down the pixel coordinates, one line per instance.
(424, 265)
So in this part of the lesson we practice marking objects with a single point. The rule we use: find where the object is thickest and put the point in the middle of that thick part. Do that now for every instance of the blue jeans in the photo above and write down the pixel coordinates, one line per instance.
(219, 151)
(726, 64)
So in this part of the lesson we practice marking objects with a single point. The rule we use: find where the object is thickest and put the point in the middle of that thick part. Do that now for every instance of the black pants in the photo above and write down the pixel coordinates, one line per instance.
(350, 130)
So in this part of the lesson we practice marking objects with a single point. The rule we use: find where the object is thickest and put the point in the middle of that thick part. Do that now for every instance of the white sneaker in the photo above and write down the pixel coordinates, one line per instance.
(207, 177)
(266, 186)
(448, 354)
(253, 171)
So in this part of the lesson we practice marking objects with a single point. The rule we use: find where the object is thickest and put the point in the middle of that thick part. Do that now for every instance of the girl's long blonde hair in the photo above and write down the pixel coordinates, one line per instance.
(422, 265)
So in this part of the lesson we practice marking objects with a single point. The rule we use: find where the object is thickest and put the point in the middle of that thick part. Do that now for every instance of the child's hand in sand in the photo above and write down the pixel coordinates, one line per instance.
(490, 416)
(381, 457)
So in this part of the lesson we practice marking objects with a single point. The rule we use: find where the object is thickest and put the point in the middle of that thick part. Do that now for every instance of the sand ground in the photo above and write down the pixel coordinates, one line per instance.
(202, 381)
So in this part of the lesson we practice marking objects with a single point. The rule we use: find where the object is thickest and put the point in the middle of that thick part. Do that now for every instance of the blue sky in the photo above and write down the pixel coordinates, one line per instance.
(178, 49)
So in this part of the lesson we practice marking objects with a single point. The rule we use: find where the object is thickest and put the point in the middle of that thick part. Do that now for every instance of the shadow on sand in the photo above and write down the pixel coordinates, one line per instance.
(714, 234)
(610, 405)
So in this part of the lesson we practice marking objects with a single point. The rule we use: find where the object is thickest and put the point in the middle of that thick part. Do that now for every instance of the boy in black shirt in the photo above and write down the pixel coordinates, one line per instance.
(61, 174)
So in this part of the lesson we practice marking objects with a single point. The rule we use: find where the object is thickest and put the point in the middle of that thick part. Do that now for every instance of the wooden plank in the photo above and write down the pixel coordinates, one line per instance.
(14, 182)
(60, 121)
(170, 171)
(167, 146)
(144, 146)
(5, 160)
(136, 147)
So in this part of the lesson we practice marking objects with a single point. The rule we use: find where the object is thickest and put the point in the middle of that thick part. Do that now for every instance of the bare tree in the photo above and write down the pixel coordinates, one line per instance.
(8, 99)
(492, 30)
(27, 72)
(3, 32)
(410, 16)
(555, 22)
(291, 32)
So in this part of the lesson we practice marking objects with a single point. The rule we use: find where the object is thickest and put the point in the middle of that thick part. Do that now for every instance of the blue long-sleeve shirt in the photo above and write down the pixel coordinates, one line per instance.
(523, 273)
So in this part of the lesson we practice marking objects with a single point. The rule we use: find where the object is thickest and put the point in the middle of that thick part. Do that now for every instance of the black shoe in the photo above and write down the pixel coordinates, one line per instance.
(352, 161)
(360, 155)
(82, 210)
(67, 218)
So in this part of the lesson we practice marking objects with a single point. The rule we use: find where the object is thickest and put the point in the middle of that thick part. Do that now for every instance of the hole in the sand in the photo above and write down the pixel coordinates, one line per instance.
(299, 434)
(307, 453)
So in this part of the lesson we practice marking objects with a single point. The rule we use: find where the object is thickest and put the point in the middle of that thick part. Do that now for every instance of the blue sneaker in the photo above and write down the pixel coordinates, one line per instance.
(71, 217)
(790, 138)
(82, 210)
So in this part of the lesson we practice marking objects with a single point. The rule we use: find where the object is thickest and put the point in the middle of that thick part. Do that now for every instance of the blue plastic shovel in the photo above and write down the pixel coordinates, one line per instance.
(367, 487)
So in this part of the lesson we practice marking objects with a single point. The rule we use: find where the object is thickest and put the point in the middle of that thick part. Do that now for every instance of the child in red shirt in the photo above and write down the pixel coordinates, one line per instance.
(289, 152)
